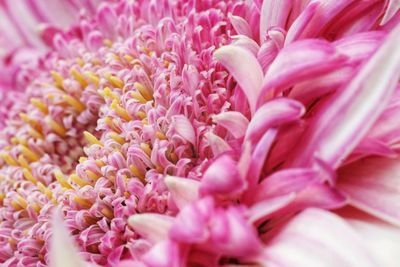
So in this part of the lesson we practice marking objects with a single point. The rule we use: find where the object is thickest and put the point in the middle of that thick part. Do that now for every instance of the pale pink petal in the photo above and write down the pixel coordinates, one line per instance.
(217, 144)
(235, 122)
(392, 8)
(153, 226)
(317, 238)
(164, 254)
(183, 190)
(246, 43)
(245, 68)
(372, 185)
(345, 121)
(240, 25)
(274, 13)
(184, 128)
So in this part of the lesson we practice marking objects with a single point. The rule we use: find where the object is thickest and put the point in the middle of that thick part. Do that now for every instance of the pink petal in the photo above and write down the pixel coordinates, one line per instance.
(240, 25)
(183, 190)
(184, 128)
(246, 43)
(343, 123)
(274, 13)
(371, 185)
(273, 113)
(235, 122)
(316, 238)
(154, 227)
(245, 68)
(297, 62)
(392, 8)
(164, 254)
(217, 144)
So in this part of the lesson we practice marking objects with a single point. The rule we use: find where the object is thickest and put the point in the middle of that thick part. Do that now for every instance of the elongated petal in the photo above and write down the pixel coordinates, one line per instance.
(274, 13)
(63, 252)
(217, 144)
(164, 254)
(245, 68)
(391, 10)
(372, 185)
(344, 122)
(235, 122)
(154, 227)
(297, 62)
(183, 190)
(240, 25)
(316, 238)
(246, 43)
(271, 114)
(184, 128)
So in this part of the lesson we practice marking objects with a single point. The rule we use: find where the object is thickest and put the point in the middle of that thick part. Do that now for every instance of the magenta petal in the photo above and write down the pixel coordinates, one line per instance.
(371, 185)
(274, 13)
(183, 190)
(297, 62)
(217, 144)
(235, 122)
(273, 113)
(391, 10)
(343, 123)
(240, 25)
(245, 68)
(164, 254)
(316, 238)
(222, 178)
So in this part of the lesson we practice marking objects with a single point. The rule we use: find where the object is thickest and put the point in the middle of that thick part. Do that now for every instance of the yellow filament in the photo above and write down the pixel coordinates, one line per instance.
(80, 61)
(22, 141)
(138, 97)
(28, 176)
(83, 202)
(93, 78)
(35, 134)
(75, 103)
(115, 81)
(108, 213)
(36, 207)
(92, 139)
(107, 42)
(79, 77)
(78, 180)
(143, 91)
(146, 148)
(22, 161)
(14, 140)
(56, 127)
(42, 188)
(120, 110)
(40, 105)
(19, 203)
(115, 57)
(25, 118)
(82, 159)
(128, 58)
(108, 93)
(60, 178)
(160, 135)
(100, 163)
(117, 138)
(145, 121)
(92, 175)
(109, 121)
(28, 153)
(9, 159)
(58, 79)
(135, 171)
(141, 115)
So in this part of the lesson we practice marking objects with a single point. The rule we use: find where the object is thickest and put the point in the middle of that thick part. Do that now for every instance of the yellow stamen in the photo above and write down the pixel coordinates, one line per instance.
(75, 103)
(146, 148)
(135, 171)
(22, 161)
(83, 202)
(58, 79)
(25, 118)
(14, 140)
(78, 180)
(128, 58)
(19, 203)
(22, 141)
(144, 91)
(82, 159)
(96, 61)
(36, 207)
(115, 81)
(35, 134)
(93, 78)
(107, 42)
(108, 213)
(92, 175)
(145, 121)
(110, 94)
(120, 111)
(9, 159)
(56, 127)
(40, 105)
(42, 188)
(116, 137)
(28, 153)
(80, 61)
(110, 122)
(138, 97)
(28, 176)
(92, 139)
(115, 57)
(61, 179)
(79, 77)
(160, 135)
(141, 115)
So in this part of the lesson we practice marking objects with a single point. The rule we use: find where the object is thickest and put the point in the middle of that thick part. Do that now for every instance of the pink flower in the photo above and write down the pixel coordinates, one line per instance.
(200, 133)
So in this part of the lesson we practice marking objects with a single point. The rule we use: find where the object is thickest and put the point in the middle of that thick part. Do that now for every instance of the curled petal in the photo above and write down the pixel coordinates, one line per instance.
(274, 13)
(184, 128)
(183, 190)
(240, 25)
(391, 10)
(154, 227)
(235, 122)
